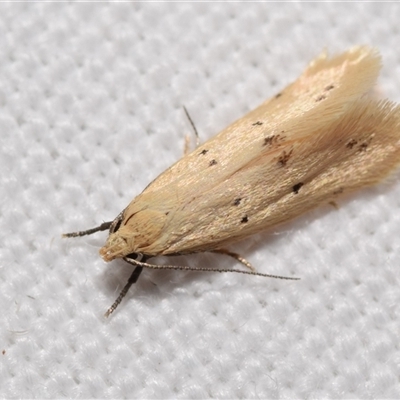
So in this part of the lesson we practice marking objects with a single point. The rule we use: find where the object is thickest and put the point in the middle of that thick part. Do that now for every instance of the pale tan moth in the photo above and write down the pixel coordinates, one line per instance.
(324, 135)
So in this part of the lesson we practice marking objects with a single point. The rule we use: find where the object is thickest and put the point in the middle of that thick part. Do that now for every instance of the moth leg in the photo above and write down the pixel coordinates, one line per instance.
(186, 148)
(237, 257)
(103, 227)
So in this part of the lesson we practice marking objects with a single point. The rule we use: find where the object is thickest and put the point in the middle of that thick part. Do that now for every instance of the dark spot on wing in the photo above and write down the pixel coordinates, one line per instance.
(363, 146)
(273, 139)
(284, 158)
(269, 140)
(351, 143)
(297, 187)
(338, 191)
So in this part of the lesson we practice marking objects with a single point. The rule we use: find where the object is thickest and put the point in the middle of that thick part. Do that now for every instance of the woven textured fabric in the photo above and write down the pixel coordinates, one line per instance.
(91, 100)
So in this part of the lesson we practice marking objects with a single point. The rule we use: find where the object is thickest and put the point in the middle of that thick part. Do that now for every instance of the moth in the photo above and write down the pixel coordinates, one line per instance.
(323, 135)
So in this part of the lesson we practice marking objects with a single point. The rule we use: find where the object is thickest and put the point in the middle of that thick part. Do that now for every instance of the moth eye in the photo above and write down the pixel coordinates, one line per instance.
(116, 224)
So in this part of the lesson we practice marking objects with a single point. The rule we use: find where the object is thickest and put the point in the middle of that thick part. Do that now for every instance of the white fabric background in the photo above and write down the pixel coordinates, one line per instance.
(91, 102)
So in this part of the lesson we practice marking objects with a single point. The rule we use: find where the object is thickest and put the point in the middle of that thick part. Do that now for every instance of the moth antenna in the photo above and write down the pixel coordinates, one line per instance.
(103, 227)
(141, 264)
(193, 126)
(202, 269)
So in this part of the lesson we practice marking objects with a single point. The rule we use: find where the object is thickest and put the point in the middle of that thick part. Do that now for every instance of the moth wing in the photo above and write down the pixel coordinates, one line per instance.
(358, 149)
(319, 96)
(249, 177)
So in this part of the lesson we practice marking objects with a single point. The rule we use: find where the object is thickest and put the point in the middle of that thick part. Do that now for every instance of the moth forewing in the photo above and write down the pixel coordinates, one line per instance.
(340, 80)
(320, 137)
(247, 177)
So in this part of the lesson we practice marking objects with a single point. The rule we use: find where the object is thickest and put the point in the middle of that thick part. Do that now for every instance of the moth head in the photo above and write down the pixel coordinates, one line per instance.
(133, 233)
